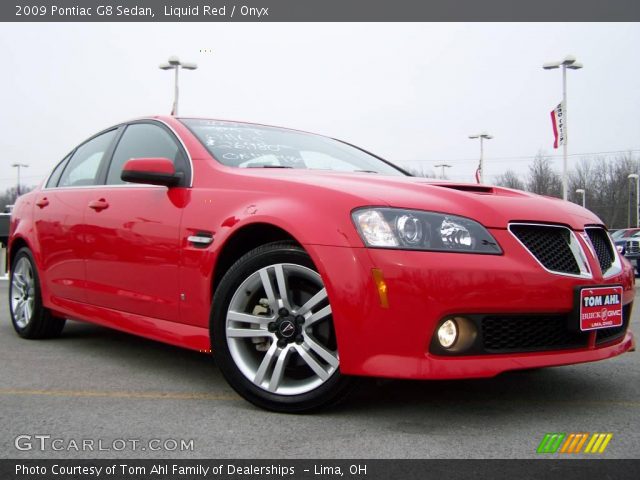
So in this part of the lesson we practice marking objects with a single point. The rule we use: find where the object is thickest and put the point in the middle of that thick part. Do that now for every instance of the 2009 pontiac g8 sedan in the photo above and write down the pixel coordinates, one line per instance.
(302, 262)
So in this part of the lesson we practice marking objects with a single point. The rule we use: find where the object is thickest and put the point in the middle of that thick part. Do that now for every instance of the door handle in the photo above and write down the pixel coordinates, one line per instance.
(201, 239)
(98, 205)
(43, 202)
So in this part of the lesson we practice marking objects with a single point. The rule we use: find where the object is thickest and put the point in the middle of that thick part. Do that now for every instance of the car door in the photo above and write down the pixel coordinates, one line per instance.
(133, 245)
(58, 218)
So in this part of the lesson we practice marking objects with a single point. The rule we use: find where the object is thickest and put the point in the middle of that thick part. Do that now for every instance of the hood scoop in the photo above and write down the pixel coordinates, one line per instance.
(481, 189)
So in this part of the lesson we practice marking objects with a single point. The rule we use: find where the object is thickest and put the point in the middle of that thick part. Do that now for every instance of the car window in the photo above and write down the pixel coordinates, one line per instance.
(57, 172)
(322, 161)
(246, 145)
(143, 140)
(84, 165)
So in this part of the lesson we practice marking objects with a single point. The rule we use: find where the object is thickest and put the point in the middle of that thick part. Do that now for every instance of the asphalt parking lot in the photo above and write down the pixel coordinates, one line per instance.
(99, 384)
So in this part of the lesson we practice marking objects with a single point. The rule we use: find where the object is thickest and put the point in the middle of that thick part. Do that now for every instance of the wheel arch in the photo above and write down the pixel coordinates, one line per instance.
(308, 392)
(15, 244)
(242, 241)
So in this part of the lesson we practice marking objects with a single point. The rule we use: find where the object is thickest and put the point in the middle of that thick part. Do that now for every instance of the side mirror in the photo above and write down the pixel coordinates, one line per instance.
(151, 171)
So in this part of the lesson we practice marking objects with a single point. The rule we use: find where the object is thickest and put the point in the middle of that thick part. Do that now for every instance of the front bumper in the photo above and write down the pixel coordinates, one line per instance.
(633, 258)
(425, 287)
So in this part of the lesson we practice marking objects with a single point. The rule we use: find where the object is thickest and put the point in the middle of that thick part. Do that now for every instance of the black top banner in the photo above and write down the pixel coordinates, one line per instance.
(320, 11)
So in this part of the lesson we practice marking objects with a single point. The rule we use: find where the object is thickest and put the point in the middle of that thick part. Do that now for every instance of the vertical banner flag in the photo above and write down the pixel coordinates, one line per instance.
(557, 121)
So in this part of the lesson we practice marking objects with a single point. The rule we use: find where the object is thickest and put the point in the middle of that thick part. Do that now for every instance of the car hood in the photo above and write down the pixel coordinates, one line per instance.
(494, 207)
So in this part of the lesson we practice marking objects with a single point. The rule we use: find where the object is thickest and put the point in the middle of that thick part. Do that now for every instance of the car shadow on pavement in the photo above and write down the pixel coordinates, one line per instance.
(570, 385)
(141, 355)
(568, 388)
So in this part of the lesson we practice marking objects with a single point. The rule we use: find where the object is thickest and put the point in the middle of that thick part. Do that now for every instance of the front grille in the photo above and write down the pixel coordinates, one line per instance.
(609, 334)
(549, 245)
(633, 246)
(507, 334)
(602, 246)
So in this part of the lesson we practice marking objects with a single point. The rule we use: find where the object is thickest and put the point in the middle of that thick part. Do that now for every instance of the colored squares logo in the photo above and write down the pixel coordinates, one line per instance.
(574, 443)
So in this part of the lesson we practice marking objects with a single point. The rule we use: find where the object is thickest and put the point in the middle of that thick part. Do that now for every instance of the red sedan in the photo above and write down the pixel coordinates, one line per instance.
(302, 261)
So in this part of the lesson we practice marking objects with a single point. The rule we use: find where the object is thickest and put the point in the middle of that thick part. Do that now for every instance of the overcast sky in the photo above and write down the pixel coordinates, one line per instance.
(411, 93)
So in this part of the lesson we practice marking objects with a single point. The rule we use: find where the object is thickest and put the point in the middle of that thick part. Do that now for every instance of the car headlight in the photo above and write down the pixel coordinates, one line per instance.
(418, 230)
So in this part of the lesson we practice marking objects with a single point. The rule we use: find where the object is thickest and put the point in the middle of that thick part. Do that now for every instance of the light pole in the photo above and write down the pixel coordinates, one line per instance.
(442, 166)
(174, 63)
(19, 166)
(637, 179)
(568, 62)
(482, 137)
(584, 194)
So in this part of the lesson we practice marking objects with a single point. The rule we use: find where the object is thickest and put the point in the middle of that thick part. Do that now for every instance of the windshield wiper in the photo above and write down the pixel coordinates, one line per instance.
(269, 166)
(366, 171)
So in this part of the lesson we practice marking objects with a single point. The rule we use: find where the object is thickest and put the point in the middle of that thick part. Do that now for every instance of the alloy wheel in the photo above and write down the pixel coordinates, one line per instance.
(22, 292)
(279, 330)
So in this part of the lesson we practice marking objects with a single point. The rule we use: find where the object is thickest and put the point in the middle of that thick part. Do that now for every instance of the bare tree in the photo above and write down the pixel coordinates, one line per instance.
(583, 176)
(510, 179)
(10, 195)
(543, 180)
(608, 192)
(420, 171)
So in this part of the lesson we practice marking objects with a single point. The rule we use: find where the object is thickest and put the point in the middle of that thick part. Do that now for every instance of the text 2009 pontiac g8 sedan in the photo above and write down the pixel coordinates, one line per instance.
(303, 262)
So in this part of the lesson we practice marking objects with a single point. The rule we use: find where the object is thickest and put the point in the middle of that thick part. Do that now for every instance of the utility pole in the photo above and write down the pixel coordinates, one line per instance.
(174, 63)
(442, 166)
(19, 166)
(636, 177)
(568, 62)
(480, 171)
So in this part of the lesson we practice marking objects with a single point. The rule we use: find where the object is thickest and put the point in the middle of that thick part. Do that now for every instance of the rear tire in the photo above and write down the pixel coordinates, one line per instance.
(29, 317)
(272, 332)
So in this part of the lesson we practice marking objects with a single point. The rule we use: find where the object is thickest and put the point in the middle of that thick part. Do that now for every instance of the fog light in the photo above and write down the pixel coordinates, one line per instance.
(448, 333)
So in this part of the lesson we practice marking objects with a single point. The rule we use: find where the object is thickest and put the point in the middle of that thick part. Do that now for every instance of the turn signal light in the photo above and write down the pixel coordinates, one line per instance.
(381, 286)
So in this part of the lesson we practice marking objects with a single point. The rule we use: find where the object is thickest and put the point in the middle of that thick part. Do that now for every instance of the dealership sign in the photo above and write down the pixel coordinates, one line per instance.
(600, 307)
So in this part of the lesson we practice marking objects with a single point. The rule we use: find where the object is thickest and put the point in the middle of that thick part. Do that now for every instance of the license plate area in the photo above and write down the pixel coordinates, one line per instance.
(599, 307)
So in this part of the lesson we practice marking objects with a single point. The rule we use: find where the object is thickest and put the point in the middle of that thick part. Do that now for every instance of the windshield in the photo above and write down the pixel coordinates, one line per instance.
(255, 146)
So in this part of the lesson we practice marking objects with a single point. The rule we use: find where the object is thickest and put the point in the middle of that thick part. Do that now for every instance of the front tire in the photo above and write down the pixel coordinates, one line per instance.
(29, 317)
(272, 331)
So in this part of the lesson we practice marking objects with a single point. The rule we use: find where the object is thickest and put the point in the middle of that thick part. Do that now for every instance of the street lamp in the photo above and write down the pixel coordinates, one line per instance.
(174, 63)
(568, 62)
(482, 137)
(637, 179)
(581, 190)
(442, 166)
(19, 166)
